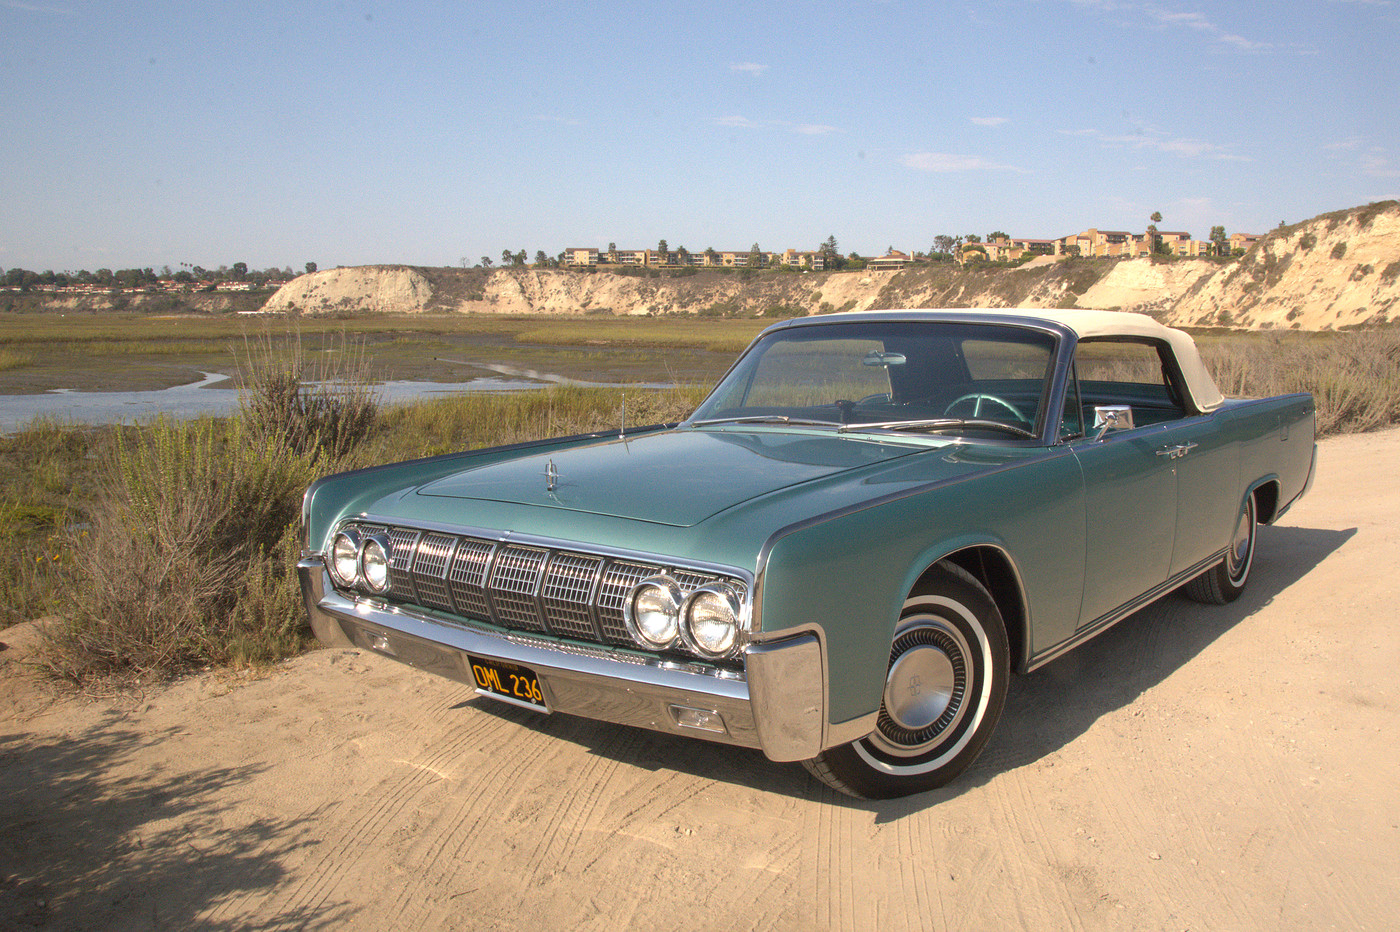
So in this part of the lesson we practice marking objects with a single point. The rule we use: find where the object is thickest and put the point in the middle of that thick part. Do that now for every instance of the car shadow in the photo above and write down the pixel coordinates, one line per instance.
(1045, 710)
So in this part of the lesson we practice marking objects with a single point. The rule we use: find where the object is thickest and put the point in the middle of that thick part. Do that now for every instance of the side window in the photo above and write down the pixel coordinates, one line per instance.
(1126, 372)
(1072, 425)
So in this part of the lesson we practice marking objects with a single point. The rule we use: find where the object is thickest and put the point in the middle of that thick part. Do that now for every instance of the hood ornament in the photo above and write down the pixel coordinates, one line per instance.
(551, 477)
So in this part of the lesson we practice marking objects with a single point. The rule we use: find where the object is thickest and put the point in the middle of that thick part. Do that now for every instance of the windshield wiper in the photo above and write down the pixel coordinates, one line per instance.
(940, 423)
(766, 419)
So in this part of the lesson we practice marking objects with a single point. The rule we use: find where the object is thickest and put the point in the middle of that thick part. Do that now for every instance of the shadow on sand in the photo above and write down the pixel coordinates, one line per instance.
(82, 847)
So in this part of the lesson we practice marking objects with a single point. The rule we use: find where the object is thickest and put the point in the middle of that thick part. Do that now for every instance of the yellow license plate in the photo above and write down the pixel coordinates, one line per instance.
(510, 682)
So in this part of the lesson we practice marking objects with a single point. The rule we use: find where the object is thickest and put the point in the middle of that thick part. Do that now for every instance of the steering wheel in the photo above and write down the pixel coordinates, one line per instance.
(978, 398)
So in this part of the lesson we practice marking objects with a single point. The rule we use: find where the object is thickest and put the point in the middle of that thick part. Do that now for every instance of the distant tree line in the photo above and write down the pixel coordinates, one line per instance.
(187, 274)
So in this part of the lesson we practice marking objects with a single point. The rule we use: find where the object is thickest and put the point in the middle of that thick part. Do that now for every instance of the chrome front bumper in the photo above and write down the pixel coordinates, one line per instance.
(777, 705)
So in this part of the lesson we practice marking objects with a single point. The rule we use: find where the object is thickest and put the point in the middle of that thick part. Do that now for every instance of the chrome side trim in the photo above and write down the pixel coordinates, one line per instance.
(1104, 622)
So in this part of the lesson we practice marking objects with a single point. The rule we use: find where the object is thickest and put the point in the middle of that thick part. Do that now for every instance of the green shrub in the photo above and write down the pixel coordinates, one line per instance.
(784, 310)
(325, 408)
(186, 516)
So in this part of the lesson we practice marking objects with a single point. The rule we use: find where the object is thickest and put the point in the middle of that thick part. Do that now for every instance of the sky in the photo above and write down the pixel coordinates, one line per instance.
(348, 132)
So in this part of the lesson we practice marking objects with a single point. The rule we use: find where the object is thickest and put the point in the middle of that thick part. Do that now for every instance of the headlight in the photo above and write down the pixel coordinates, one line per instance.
(711, 620)
(345, 557)
(374, 563)
(652, 612)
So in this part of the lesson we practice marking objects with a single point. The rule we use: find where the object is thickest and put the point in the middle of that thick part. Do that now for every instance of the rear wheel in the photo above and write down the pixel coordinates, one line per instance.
(1225, 581)
(944, 691)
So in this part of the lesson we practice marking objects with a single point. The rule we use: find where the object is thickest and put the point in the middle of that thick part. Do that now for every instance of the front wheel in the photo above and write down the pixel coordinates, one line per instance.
(943, 693)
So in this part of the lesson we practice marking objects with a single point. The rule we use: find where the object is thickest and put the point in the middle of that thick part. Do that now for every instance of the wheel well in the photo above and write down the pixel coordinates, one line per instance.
(994, 571)
(1266, 502)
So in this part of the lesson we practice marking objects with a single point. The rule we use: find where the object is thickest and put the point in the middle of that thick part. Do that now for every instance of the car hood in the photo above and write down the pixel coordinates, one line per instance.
(676, 477)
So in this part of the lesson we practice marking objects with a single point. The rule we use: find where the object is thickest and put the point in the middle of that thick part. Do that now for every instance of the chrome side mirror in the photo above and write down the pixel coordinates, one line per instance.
(1111, 417)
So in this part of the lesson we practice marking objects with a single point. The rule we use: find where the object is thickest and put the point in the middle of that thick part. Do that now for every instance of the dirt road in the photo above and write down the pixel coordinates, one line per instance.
(1195, 768)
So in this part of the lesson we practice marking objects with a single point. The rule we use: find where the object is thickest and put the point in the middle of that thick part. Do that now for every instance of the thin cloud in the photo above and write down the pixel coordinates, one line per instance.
(1157, 141)
(1375, 162)
(946, 162)
(1167, 19)
(1199, 23)
(562, 121)
(1370, 160)
(750, 68)
(35, 8)
(802, 129)
(988, 121)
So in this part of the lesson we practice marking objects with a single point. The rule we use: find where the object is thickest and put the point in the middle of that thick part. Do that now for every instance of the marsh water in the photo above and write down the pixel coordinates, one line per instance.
(217, 395)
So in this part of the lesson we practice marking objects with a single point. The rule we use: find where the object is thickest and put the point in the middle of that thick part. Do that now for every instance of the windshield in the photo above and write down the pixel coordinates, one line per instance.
(896, 375)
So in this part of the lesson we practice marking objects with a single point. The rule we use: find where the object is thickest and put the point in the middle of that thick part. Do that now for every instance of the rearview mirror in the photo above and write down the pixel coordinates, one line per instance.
(876, 358)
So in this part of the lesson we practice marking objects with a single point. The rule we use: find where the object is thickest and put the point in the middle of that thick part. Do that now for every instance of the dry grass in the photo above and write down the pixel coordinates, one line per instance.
(189, 521)
(326, 407)
(1354, 376)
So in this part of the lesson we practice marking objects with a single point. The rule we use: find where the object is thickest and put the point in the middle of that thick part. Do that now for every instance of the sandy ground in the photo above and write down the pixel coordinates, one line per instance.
(1195, 768)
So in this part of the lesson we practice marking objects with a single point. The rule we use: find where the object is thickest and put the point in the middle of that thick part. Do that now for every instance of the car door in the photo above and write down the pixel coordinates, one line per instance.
(1130, 516)
(1208, 490)
(1132, 489)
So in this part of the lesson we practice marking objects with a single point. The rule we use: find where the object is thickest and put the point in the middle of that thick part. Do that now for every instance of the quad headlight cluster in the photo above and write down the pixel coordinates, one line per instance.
(526, 587)
(360, 561)
(709, 621)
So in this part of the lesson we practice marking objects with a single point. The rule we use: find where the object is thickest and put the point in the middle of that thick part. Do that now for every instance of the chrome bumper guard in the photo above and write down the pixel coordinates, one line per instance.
(778, 706)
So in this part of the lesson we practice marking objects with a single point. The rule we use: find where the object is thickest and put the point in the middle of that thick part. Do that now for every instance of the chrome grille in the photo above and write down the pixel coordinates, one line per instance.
(468, 578)
(525, 588)
(515, 580)
(618, 581)
(401, 543)
(568, 584)
(430, 570)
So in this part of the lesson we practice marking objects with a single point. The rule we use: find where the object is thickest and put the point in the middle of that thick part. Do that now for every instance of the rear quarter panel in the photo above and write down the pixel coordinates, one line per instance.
(1276, 438)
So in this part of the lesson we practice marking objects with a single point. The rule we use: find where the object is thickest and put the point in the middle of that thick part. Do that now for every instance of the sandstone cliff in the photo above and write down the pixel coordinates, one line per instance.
(362, 288)
(1336, 270)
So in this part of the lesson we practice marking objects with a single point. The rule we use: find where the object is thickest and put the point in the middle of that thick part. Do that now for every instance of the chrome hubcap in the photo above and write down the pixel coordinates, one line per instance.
(925, 689)
(919, 688)
(1241, 545)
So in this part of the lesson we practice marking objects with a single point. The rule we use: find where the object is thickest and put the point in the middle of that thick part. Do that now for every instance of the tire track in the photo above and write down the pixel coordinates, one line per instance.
(388, 800)
(469, 822)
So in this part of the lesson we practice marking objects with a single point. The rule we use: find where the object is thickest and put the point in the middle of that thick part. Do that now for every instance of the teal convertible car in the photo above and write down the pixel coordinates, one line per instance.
(844, 553)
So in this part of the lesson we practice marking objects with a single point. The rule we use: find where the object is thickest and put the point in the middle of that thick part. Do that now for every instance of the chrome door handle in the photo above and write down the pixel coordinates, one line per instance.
(1178, 451)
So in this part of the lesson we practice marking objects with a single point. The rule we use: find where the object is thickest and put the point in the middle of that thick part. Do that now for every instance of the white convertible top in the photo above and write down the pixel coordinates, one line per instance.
(1090, 324)
(1098, 324)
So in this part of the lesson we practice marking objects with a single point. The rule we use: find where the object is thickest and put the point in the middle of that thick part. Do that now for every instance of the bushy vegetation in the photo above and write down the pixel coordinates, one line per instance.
(172, 546)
